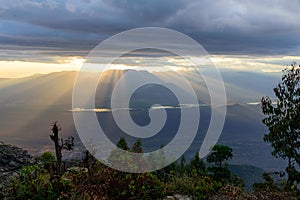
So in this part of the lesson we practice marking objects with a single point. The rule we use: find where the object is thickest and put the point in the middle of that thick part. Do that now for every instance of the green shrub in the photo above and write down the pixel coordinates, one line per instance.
(34, 182)
(31, 183)
(237, 181)
(113, 184)
(231, 192)
(199, 187)
(48, 161)
(143, 186)
(205, 188)
(267, 185)
(47, 157)
(181, 185)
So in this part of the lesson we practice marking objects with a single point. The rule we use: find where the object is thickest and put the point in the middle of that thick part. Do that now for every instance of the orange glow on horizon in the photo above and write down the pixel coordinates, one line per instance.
(260, 64)
(18, 69)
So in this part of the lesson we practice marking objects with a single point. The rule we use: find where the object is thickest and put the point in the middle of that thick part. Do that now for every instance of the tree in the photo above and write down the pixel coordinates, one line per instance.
(197, 164)
(220, 153)
(122, 144)
(118, 158)
(60, 144)
(182, 161)
(137, 147)
(283, 121)
(159, 160)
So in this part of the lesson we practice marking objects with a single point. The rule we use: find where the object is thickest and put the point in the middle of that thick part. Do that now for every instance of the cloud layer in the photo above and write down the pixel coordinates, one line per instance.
(73, 27)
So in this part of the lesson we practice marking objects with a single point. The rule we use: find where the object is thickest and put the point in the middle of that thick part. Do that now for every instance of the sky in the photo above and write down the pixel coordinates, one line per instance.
(42, 36)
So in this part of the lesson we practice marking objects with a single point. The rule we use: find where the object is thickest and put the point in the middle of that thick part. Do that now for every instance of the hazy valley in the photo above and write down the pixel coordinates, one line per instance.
(30, 104)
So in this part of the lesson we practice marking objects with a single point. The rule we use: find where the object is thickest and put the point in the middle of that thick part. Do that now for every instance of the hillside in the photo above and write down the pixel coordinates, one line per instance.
(24, 177)
(12, 159)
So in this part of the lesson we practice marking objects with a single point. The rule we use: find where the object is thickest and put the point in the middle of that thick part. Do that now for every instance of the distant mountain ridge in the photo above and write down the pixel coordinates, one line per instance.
(29, 105)
(56, 88)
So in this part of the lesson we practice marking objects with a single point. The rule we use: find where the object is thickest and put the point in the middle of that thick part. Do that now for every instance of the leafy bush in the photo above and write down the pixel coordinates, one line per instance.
(231, 192)
(205, 188)
(31, 183)
(237, 181)
(34, 182)
(198, 187)
(267, 185)
(48, 160)
(143, 186)
(113, 184)
(47, 157)
(181, 185)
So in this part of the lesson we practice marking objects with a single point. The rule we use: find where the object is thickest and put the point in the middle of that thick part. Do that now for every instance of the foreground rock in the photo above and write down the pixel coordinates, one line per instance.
(178, 197)
(12, 159)
(233, 193)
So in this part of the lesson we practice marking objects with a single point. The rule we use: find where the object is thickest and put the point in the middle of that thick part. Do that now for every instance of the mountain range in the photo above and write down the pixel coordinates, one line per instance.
(29, 105)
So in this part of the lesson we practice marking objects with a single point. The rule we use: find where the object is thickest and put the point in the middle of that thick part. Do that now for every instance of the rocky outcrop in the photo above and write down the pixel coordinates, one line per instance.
(178, 197)
(12, 159)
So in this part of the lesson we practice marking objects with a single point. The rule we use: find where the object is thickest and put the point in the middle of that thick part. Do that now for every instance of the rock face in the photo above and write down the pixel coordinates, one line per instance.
(11, 160)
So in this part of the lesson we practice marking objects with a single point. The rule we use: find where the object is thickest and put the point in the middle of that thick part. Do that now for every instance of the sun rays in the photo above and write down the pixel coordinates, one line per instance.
(19, 68)
(260, 64)
(50, 91)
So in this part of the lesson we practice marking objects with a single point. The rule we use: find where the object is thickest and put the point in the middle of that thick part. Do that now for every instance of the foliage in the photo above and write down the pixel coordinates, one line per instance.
(231, 191)
(47, 157)
(191, 179)
(157, 159)
(267, 185)
(34, 182)
(48, 160)
(143, 186)
(124, 156)
(197, 165)
(181, 185)
(283, 121)
(197, 187)
(137, 147)
(31, 183)
(221, 174)
(122, 144)
(91, 163)
(249, 175)
(237, 181)
(219, 155)
(114, 184)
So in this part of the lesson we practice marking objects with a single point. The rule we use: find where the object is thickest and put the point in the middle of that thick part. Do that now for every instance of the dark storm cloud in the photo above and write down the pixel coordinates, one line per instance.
(145, 11)
(222, 27)
(96, 16)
